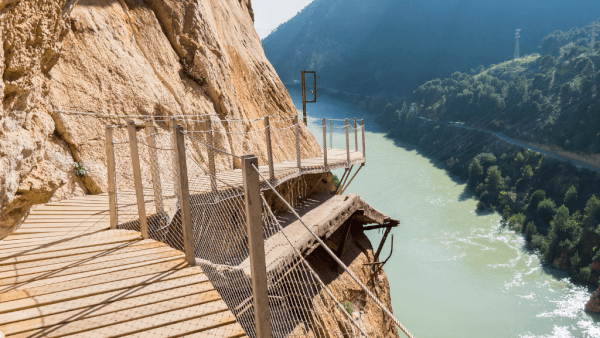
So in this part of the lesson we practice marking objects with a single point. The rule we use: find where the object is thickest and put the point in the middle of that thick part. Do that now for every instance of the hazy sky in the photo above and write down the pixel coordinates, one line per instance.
(268, 14)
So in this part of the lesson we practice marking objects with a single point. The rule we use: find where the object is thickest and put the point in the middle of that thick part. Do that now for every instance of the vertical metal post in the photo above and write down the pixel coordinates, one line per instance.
(186, 208)
(211, 158)
(155, 169)
(298, 154)
(257, 246)
(362, 123)
(137, 178)
(269, 149)
(172, 125)
(355, 135)
(111, 170)
(303, 99)
(347, 143)
(325, 145)
(331, 133)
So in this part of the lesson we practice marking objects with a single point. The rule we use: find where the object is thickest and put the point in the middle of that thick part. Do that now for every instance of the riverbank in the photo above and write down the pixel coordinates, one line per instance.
(449, 261)
(550, 201)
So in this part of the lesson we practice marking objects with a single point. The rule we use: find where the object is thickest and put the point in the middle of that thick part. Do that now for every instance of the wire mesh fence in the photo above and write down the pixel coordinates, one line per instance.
(300, 304)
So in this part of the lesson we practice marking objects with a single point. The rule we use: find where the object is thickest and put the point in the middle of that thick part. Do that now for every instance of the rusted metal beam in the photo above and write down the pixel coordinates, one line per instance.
(385, 235)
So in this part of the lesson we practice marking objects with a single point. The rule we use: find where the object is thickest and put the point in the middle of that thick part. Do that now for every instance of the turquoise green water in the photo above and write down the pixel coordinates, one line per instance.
(454, 273)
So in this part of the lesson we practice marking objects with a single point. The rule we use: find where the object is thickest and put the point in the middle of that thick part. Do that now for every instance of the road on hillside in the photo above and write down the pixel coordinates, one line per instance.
(546, 153)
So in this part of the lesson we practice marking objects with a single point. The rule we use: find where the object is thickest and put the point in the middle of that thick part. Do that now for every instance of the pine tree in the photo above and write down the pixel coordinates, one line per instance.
(571, 197)
(494, 182)
(475, 173)
(591, 215)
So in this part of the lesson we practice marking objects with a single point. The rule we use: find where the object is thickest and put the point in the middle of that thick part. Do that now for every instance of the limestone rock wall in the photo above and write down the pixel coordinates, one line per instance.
(122, 57)
(357, 252)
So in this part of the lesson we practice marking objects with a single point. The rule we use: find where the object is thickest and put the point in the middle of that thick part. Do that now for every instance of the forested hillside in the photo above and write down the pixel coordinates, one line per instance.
(391, 47)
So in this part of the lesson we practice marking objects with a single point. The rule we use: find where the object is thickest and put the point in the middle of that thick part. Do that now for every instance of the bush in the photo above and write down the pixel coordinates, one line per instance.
(536, 198)
(516, 222)
(527, 172)
(539, 242)
(531, 229)
(336, 180)
(583, 275)
(575, 260)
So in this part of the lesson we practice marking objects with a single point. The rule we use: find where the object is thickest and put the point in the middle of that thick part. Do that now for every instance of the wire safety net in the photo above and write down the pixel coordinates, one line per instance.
(300, 304)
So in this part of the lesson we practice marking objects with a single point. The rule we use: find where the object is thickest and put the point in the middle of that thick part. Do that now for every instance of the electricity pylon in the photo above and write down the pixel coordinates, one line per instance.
(593, 39)
(517, 36)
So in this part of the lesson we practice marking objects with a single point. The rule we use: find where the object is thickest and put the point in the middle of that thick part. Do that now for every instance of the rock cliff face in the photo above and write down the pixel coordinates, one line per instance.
(70, 67)
(119, 57)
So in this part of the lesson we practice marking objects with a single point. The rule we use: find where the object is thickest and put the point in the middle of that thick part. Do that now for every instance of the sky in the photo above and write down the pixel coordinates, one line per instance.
(268, 14)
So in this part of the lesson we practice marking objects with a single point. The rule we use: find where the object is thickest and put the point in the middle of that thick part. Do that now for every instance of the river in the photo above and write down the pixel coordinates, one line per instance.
(454, 273)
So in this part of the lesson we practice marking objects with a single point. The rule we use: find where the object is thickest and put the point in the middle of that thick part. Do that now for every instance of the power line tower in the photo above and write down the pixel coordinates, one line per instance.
(593, 39)
(517, 36)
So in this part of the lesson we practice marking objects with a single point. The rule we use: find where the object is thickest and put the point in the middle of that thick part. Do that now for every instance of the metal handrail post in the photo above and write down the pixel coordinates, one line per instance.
(185, 204)
(111, 171)
(325, 145)
(155, 169)
(298, 150)
(256, 244)
(137, 178)
(355, 135)
(269, 149)
(362, 122)
(347, 143)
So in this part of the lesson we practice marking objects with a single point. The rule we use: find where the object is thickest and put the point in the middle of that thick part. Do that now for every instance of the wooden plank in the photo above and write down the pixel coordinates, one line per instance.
(43, 278)
(67, 207)
(122, 312)
(25, 238)
(55, 229)
(23, 300)
(204, 321)
(104, 249)
(97, 305)
(41, 245)
(28, 308)
(68, 222)
(230, 331)
(18, 237)
(140, 327)
(68, 216)
(61, 284)
(52, 251)
(92, 258)
(71, 211)
(70, 267)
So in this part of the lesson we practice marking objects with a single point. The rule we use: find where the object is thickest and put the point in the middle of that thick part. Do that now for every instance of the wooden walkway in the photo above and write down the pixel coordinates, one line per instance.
(64, 274)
